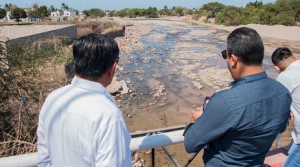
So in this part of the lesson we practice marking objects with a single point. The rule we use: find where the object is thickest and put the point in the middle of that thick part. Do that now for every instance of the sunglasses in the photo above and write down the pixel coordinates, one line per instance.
(225, 54)
(117, 60)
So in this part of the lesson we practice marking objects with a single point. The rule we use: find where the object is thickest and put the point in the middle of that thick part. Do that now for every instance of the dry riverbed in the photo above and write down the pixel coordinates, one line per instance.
(169, 78)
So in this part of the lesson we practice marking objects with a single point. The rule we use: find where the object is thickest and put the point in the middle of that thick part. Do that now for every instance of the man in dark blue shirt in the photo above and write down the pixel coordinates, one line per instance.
(240, 124)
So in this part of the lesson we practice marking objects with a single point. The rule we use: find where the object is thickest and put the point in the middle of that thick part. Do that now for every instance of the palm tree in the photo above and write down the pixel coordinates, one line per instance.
(63, 6)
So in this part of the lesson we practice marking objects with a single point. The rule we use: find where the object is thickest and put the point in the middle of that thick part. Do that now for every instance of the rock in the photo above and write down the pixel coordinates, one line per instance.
(125, 89)
(136, 157)
(198, 85)
(129, 116)
(114, 87)
(148, 152)
(121, 68)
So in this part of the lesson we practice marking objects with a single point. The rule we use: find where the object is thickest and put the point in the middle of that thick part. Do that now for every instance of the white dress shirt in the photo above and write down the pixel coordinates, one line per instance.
(290, 78)
(81, 126)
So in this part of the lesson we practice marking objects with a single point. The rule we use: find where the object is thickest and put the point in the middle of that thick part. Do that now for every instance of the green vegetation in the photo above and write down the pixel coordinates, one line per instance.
(2, 13)
(17, 14)
(39, 12)
(94, 12)
(285, 12)
(151, 12)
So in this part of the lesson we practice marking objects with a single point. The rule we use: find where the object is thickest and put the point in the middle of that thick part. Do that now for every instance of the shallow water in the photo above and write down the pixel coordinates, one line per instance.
(160, 63)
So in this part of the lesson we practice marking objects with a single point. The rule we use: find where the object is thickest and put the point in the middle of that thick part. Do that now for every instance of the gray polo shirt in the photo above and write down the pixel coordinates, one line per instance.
(290, 78)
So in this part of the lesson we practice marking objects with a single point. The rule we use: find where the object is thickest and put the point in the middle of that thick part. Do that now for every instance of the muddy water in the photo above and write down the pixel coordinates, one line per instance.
(176, 68)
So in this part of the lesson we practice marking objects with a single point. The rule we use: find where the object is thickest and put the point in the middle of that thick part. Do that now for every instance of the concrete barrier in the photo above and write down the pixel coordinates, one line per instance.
(26, 35)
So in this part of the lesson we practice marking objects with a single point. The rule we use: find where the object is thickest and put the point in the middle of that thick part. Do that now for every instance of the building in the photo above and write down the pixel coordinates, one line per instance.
(56, 14)
(60, 14)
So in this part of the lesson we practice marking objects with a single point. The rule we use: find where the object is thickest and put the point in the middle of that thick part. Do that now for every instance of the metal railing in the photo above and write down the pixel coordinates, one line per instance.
(142, 140)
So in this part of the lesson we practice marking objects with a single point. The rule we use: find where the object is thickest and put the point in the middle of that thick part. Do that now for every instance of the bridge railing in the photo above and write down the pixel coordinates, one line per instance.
(141, 140)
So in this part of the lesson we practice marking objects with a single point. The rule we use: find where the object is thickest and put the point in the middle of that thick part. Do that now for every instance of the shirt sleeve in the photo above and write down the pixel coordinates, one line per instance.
(211, 125)
(113, 145)
(43, 155)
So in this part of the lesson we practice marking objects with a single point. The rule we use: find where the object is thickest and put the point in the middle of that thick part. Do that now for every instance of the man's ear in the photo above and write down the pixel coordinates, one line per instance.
(277, 68)
(111, 70)
(234, 61)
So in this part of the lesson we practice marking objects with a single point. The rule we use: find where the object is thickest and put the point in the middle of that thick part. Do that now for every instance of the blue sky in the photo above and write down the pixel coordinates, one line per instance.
(121, 4)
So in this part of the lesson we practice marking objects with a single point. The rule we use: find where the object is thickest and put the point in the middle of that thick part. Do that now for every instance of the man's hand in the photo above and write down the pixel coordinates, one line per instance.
(196, 114)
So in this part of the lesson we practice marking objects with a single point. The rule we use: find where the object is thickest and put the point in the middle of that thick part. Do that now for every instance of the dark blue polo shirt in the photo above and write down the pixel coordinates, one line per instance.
(241, 123)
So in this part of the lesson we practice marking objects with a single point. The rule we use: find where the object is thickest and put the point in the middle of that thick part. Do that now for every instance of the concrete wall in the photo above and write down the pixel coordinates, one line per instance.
(27, 35)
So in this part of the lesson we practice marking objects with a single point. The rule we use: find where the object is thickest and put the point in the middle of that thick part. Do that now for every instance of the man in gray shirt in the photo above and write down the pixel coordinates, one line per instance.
(288, 66)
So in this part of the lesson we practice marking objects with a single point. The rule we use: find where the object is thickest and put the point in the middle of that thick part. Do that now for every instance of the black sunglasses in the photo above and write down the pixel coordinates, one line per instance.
(225, 54)
(117, 60)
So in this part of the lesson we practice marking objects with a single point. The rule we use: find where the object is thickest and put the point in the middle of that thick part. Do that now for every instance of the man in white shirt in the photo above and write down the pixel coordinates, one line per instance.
(80, 124)
(288, 66)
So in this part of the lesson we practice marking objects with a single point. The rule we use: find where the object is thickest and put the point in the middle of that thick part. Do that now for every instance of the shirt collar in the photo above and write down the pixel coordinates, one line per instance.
(295, 63)
(92, 86)
(249, 78)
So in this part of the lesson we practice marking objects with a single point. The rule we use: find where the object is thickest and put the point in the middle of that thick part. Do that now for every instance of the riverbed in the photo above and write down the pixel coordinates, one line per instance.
(169, 67)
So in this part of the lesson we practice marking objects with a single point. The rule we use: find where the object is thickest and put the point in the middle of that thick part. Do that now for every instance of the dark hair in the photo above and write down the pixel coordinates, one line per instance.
(280, 54)
(94, 54)
(247, 45)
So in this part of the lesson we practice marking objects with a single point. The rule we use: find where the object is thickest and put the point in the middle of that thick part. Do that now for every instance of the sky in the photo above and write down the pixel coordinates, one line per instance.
(121, 4)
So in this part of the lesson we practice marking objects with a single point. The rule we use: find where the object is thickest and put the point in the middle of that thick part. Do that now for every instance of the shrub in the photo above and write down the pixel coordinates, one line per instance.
(229, 16)
(196, 16)
(33, 72)
(87, 27)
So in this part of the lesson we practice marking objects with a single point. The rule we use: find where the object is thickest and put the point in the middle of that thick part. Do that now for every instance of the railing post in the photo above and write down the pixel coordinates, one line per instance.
(153, 156)
(171, 156)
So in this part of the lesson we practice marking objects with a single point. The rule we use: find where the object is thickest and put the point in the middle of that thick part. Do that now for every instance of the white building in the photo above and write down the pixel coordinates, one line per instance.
(57, 13)
(69, 13)
(60, 14)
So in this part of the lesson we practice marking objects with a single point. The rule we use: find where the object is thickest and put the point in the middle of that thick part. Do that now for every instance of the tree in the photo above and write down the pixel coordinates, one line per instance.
(86, 12)
(255, 4)
(122, 13)
(164, 11)
(112, 13)
(51, 8)
(35, 6)
(2, 13)
(179, 10)
(64, 6)
(229, 16)
(151, 12)
(213, 6)
(95, 12)
(9, 7)
(295, 4)
(17, 13)
(43, 12)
